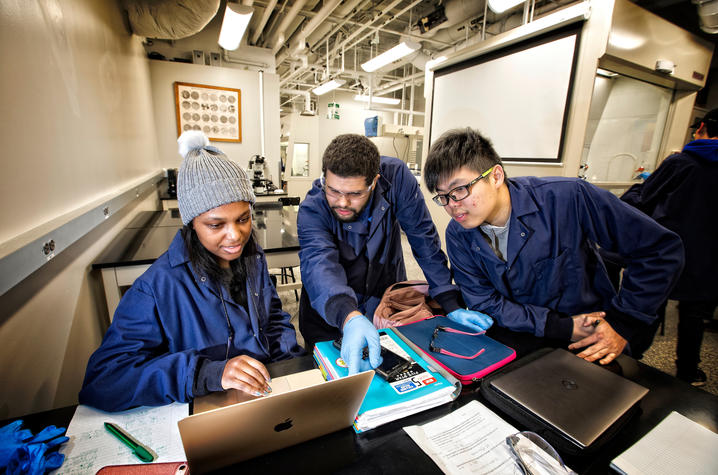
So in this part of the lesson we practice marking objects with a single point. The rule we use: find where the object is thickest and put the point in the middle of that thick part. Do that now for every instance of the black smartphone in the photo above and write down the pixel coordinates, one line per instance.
(391, 365)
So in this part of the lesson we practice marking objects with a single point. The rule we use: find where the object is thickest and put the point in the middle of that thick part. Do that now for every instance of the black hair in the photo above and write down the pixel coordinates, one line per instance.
(351, 155)
(711, 127)
(455, 149)
(204, 262)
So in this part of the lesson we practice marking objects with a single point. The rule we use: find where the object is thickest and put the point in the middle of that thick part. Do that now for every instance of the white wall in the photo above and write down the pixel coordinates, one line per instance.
(165, 73)
(77, 124)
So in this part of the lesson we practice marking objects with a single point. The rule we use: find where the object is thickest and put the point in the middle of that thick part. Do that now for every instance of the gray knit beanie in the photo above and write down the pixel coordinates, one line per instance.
(207, 178)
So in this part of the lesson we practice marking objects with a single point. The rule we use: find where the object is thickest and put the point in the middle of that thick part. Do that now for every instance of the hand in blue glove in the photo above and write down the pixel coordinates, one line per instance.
(359, 333)
(477, 321)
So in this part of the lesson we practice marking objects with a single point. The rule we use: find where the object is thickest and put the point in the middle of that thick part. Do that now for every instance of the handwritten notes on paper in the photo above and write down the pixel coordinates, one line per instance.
(470, 440)
(91, 447)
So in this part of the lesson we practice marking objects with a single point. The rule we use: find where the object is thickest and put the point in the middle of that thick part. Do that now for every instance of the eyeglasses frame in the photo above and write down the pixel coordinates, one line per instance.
(437, 198)
(349, 195)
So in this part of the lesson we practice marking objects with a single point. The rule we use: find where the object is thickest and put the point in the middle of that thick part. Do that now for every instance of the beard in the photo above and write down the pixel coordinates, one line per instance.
(349, 218)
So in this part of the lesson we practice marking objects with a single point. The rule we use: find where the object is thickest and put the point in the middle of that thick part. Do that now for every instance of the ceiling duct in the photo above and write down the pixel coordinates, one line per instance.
(169, 19)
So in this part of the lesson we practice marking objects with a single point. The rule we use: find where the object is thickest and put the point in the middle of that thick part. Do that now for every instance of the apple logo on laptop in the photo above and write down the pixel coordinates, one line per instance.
(287, 424)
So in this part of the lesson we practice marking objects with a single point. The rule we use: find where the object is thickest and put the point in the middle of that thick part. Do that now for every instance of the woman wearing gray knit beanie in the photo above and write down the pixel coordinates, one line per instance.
(205, 316)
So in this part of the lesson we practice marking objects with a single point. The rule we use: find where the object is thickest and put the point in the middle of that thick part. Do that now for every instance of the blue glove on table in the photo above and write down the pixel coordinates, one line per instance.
(359, 333)
(21, 452)
(475, 320)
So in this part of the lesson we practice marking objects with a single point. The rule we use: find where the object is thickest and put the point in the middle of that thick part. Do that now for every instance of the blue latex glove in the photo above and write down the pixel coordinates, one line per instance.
(477, 321)
(21, 452)
(359, 333)
(33, 459)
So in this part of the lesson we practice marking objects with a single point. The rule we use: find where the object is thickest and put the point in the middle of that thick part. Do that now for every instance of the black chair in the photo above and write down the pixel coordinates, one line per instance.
(289, 200)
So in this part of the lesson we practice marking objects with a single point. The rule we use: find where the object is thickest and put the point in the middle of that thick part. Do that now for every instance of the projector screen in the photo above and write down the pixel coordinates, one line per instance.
(517, 97)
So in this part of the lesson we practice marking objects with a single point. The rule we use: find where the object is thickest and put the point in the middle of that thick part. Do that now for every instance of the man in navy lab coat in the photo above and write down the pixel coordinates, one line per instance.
(349, 235)
(524, 250)
(681, 195)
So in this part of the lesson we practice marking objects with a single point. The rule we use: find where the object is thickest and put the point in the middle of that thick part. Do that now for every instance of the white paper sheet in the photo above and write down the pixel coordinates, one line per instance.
(675, 445)
(470, 440)
(92, 447)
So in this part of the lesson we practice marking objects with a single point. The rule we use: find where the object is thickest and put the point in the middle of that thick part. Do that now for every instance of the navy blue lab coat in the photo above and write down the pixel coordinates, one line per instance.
(347, 266)
(552, 264)
(171, 326)
(682, 195)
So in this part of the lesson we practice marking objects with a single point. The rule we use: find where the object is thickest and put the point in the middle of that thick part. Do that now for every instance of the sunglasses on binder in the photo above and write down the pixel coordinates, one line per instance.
(436, 349)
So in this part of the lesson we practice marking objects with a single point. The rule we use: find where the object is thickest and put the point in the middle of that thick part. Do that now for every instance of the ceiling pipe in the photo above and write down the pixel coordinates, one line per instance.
(265, 18)
(305, 94)
(300, 38)
(344, 13)
(277, 37)
(345, 43)
(457, 12)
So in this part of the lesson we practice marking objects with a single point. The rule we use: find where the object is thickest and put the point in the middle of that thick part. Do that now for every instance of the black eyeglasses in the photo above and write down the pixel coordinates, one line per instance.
(460, 192)
(436, 349)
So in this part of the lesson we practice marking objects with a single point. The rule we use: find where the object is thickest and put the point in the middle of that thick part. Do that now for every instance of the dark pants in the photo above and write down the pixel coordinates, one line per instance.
(690, 336)
(312, 326)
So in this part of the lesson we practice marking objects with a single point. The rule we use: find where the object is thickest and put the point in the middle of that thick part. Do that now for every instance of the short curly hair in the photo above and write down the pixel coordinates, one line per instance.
(455, 149)
(351, 155)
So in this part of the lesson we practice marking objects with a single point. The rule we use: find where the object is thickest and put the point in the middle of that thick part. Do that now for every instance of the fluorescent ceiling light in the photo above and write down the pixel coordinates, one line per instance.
(397, 52)
(328, 86)
(500, 6)
(234, 24)
(377, 99)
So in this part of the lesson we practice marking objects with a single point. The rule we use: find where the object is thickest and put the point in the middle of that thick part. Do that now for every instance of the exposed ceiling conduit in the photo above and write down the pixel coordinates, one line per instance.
(457, 12)
(300, 38)
(305, 94)
(277, 36)
(325, 31)
(265, 18)
(169, 19)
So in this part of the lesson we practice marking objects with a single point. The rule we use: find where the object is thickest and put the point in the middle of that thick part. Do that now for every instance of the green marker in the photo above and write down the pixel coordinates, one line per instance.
(142, 452)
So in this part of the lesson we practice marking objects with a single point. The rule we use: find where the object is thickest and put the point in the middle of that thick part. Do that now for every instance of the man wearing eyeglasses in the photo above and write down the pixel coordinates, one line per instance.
(350, 248)
(525, 250)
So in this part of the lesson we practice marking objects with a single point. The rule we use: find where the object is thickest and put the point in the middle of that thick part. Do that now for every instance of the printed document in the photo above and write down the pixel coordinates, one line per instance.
(92, 447)
(470, 440)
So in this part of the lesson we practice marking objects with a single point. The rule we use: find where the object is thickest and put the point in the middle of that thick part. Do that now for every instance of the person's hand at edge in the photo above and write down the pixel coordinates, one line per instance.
(358, 333)
(604, 344)
(246, 374)
(477, 321)
(585, 324)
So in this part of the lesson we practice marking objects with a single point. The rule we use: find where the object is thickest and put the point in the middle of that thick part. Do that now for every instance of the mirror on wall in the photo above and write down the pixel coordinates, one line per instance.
(626, 122)
(300, 159)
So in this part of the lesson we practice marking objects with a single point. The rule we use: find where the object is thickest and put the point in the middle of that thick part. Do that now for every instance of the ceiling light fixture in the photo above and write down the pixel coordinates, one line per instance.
(377, 99)
(234, 24)
(500, 6)
(397, 52)
(328, 86)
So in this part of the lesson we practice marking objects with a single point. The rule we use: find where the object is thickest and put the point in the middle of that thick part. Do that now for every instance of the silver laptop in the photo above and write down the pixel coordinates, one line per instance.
(222, 436)
(578, 398)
